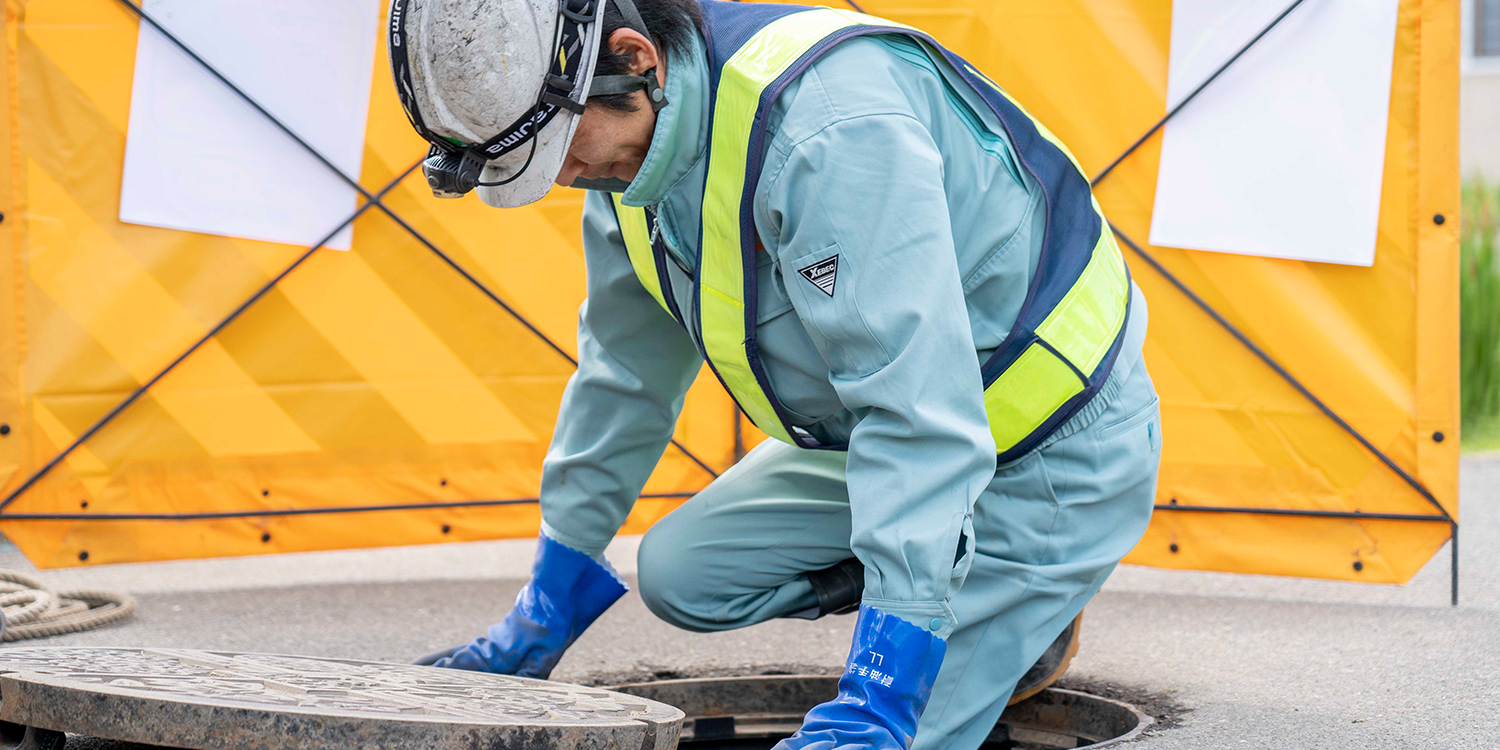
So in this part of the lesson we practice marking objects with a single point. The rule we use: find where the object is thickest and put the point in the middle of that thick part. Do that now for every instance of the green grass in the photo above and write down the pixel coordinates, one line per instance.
(1479, 329)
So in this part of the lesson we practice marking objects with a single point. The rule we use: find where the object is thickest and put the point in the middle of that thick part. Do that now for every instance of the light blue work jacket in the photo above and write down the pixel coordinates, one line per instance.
(874, 154)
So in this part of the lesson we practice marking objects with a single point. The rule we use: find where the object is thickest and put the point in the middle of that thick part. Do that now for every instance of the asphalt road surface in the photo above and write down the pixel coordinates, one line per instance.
(1226, 660)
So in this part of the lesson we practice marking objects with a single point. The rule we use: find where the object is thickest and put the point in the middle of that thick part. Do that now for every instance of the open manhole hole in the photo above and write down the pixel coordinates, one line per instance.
(754, 713)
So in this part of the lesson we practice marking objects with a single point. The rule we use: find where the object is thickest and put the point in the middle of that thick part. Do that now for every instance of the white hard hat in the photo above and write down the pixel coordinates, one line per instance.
(497, 86)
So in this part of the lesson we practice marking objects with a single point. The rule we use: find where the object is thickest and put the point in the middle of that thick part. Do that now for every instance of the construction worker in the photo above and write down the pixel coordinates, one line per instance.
(896, 272)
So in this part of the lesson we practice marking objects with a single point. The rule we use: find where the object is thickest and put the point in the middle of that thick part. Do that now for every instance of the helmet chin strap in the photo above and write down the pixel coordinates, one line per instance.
(621, 84)
(625, 84)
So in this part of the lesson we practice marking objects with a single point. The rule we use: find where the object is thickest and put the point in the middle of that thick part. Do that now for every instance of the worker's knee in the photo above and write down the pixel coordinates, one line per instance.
(671, 584)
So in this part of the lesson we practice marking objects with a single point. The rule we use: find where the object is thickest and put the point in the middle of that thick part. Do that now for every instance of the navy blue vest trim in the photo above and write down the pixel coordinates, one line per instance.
(731, 24)
(1073, 227)
(663, 279)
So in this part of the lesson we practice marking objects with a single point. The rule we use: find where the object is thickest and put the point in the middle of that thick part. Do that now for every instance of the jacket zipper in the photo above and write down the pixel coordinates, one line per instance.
(656, 235)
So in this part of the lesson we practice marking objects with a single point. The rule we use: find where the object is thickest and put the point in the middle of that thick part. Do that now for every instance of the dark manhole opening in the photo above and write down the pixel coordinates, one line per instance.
(11, 735)
(754, 713)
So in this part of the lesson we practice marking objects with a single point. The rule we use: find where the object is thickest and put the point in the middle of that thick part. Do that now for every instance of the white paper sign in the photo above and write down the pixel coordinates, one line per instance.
(1282, 155)
(199, 158)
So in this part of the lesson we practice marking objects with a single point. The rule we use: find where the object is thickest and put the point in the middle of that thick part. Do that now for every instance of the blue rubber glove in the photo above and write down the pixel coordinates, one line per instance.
(568, 590)
(887, 681)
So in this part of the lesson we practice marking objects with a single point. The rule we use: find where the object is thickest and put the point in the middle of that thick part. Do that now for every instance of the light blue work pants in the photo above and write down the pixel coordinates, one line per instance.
(1048, 530)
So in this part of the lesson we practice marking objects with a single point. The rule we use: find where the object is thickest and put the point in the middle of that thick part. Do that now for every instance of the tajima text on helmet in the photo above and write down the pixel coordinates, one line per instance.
(536, 120)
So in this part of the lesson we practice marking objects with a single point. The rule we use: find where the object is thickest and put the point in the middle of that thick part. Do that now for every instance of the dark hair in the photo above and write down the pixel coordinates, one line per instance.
(671, 23)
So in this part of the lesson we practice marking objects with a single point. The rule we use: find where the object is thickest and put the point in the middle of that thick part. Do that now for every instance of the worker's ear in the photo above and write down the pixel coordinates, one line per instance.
(632, 44)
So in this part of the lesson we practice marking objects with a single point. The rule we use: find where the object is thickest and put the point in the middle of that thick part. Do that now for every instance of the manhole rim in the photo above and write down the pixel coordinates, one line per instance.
(1143, 721)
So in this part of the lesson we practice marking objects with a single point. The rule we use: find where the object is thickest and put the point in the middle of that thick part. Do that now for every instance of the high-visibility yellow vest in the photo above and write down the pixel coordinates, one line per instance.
(1060, 351)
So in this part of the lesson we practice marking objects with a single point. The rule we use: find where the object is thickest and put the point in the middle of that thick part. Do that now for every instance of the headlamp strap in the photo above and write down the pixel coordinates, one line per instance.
(558, 93)
(558, 88)
(604, 85)
(401, 69)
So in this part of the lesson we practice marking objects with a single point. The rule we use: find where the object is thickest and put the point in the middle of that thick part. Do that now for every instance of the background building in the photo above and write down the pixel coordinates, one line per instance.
(1479, 119)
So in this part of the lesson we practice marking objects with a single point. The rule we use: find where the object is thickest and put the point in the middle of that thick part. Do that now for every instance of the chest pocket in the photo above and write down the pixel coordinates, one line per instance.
(771, 299)
(667, 227)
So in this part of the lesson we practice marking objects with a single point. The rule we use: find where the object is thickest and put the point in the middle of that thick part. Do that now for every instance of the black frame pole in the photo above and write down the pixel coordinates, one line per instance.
(1349, 514)
(279, 512)
(1453, 562)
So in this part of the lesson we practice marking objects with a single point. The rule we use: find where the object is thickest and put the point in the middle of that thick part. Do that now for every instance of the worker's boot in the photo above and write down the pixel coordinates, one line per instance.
(1052, 665)
(839, 588)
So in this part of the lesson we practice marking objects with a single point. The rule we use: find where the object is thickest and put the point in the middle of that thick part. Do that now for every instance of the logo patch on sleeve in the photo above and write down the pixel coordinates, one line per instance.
(822, 274)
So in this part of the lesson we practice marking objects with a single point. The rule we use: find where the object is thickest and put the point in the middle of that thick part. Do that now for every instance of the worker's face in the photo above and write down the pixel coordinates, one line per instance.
(608, 142)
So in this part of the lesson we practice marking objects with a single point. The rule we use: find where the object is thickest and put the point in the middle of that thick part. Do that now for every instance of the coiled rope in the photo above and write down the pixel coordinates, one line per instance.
(34, 611)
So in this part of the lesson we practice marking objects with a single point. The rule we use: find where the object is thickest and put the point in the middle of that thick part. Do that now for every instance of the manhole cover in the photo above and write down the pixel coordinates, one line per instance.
(753, 713)
(209, 700)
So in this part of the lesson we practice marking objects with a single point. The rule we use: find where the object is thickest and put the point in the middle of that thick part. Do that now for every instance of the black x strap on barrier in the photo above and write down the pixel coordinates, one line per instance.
(374, 200)
(205, 338)
(354, 183)
(1442, 516)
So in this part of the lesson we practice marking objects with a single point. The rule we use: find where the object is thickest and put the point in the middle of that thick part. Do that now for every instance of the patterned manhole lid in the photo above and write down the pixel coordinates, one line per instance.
(213, 699)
